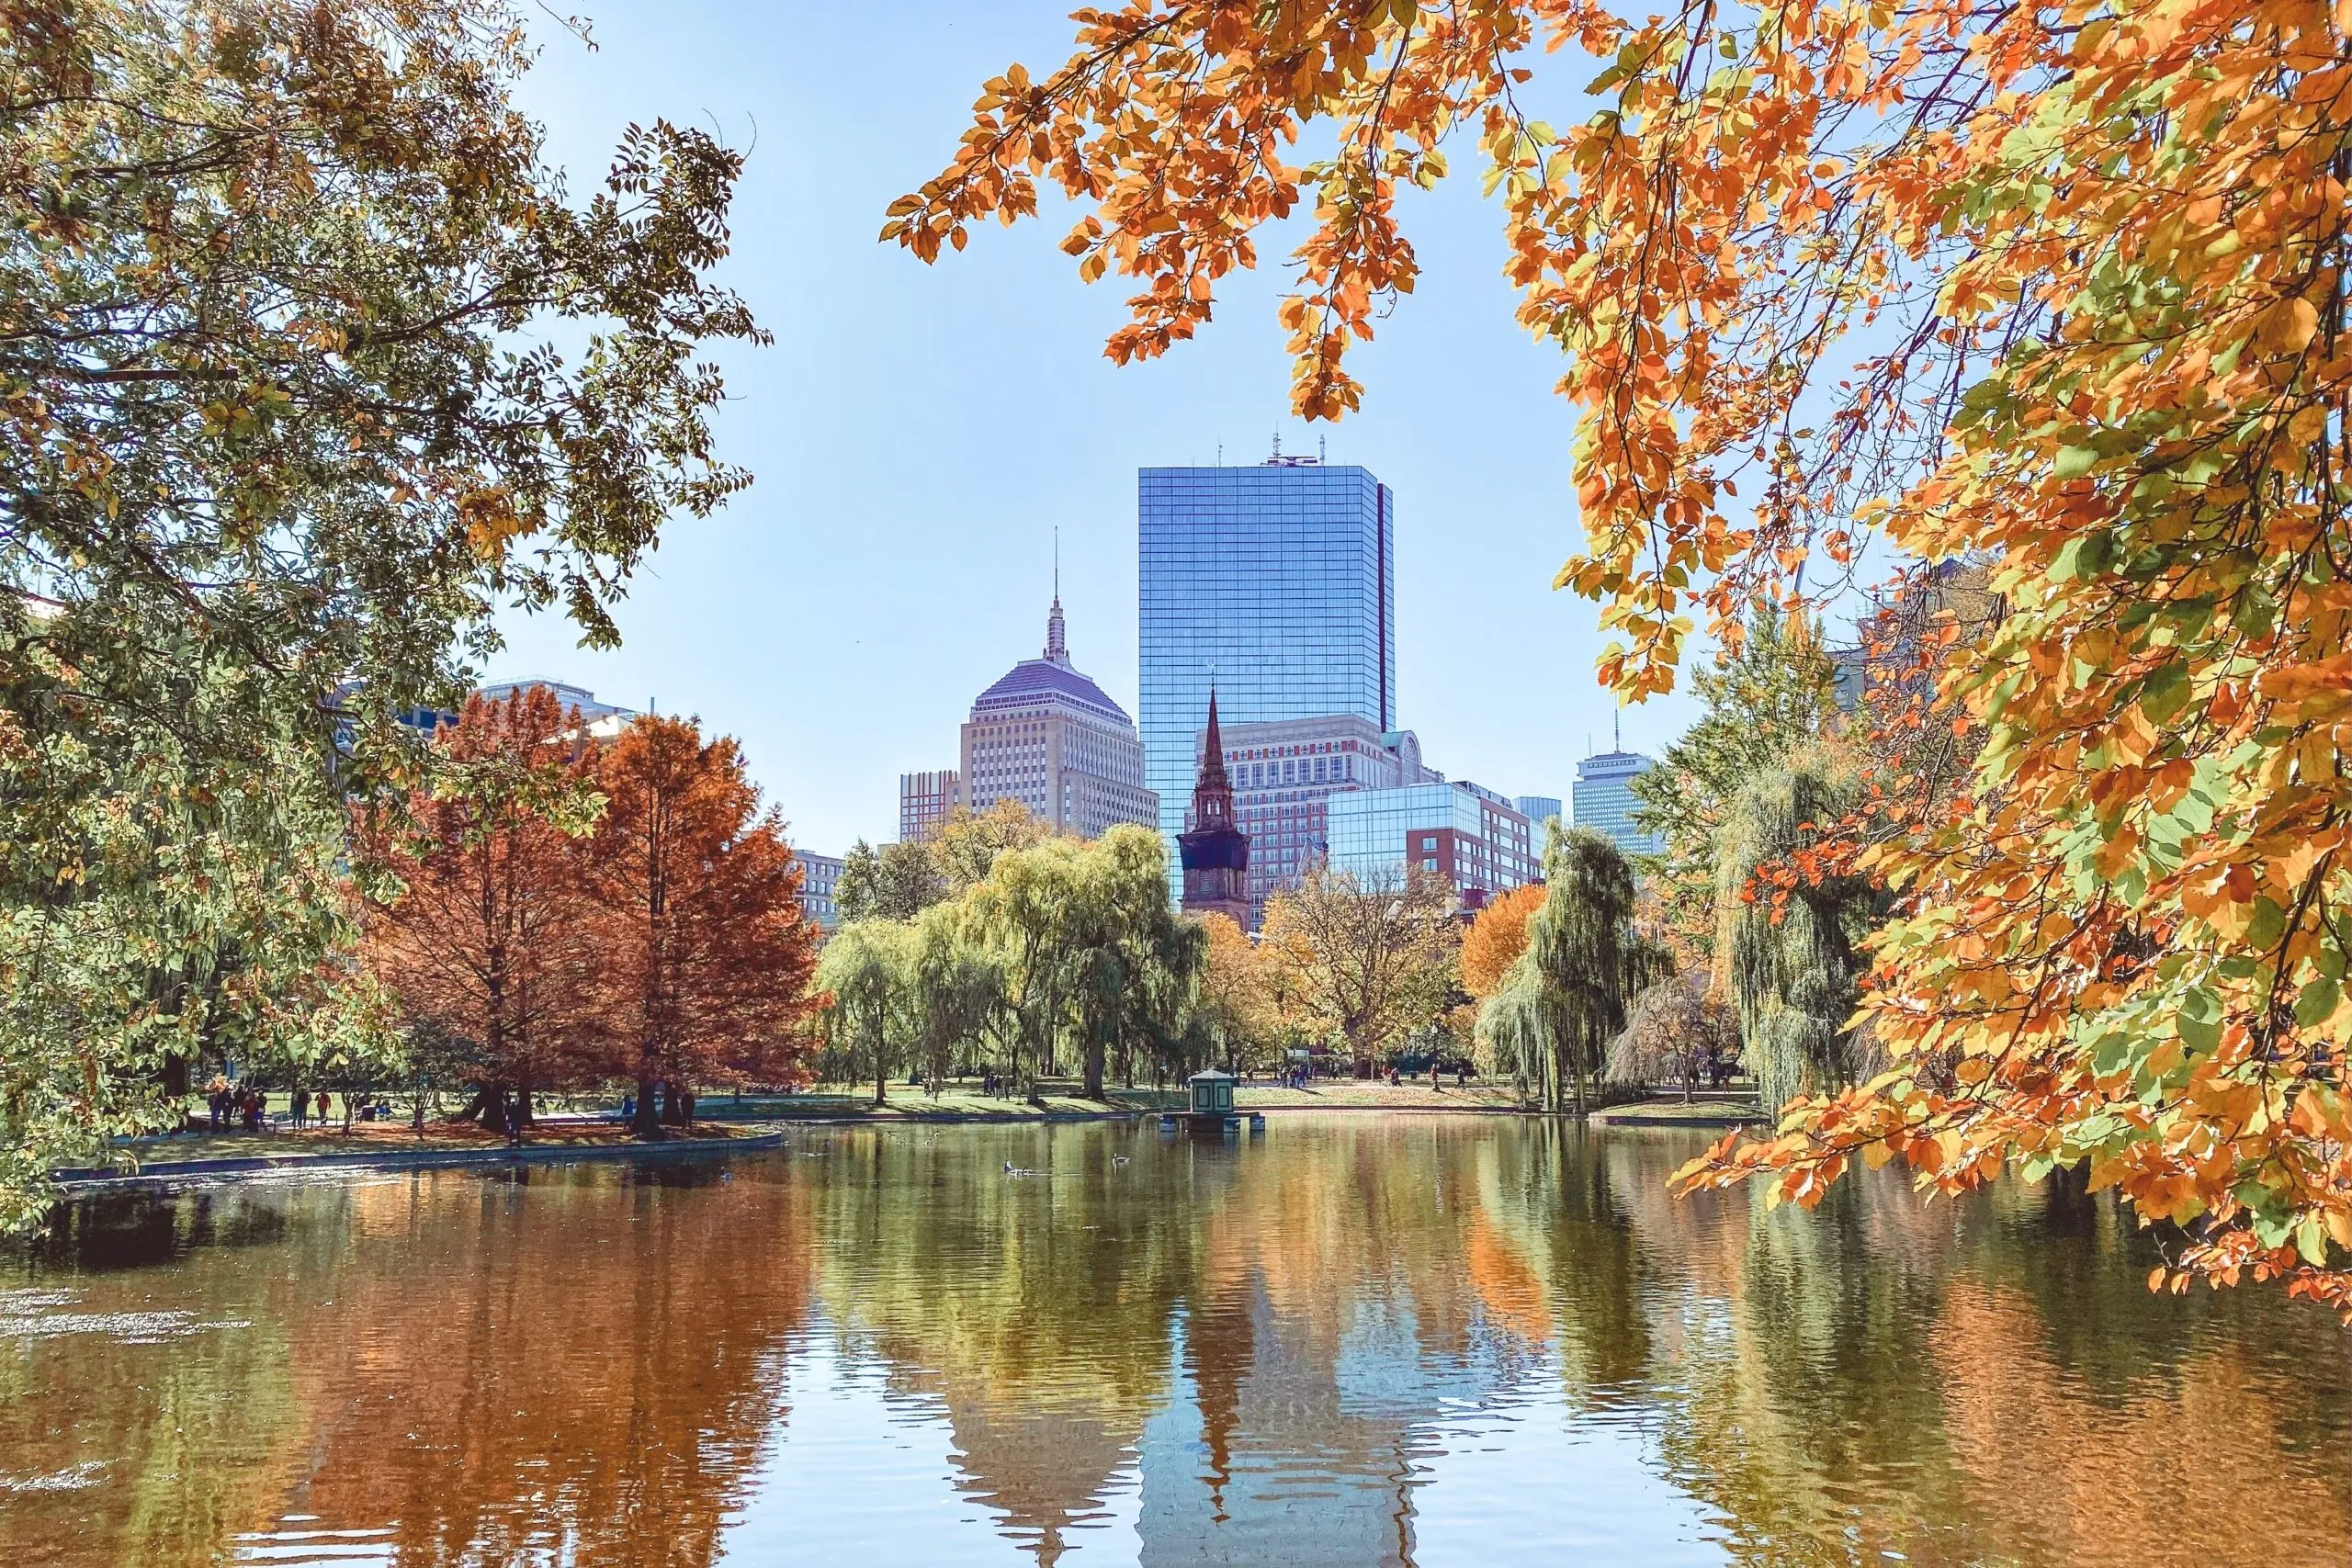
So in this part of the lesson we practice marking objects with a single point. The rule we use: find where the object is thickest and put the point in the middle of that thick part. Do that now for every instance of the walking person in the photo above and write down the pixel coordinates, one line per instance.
(301, 1108)
(326, 1108)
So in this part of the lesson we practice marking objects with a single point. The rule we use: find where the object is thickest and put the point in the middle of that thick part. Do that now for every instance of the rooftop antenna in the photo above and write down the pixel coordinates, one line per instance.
(1220, 454)
(1057, 563)
(1616, 732)
(1319, 453)
(1278, 447)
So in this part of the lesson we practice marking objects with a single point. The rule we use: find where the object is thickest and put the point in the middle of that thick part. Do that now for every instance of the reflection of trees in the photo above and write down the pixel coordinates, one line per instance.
(1035, 1310)
(179, 1423)
(603, 1364)
(580, 1369)
(584, 1366)
(2191, 1466)
(1842, 1383)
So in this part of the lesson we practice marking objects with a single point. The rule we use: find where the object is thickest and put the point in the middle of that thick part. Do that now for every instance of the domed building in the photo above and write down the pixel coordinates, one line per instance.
(1048, 737)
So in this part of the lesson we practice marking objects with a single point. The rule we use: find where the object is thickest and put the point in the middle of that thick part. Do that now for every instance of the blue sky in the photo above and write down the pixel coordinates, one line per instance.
(919, 433)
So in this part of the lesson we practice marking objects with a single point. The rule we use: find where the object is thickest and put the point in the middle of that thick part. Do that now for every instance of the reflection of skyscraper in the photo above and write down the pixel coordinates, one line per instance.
(1277, 580)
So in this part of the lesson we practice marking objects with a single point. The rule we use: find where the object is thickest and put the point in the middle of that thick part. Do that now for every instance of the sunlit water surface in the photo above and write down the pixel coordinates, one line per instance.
(1355, 1341)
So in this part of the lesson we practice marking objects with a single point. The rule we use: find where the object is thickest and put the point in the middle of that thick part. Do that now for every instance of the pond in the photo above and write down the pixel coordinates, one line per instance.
(1356, 1340)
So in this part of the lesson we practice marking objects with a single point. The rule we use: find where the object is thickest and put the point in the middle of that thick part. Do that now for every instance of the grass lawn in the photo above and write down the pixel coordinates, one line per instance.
(395, 1136)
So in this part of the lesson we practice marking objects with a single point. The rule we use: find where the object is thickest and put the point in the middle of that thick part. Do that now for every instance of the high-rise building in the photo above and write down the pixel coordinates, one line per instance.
(1277, 582)
(1283, 774)
(1047, 736)
(818, 876)
(1604, 800)
(1214, 853)
(925, 802)
(1539, 808)
(1474, 838)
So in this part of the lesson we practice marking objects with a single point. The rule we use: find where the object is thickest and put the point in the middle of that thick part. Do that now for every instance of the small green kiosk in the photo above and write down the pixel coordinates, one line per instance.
(1212, 1094)
(1210, 1112)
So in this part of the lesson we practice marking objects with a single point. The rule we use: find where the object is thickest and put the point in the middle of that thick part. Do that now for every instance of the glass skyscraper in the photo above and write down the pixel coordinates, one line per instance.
(1276, 579)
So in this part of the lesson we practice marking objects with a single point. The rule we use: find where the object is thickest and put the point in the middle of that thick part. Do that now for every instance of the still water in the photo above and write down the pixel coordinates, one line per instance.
(1425, 1340)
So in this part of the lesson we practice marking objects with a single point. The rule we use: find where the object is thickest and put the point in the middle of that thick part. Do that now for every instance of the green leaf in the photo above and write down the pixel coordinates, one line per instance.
(2311, 1240)
(2073, 461)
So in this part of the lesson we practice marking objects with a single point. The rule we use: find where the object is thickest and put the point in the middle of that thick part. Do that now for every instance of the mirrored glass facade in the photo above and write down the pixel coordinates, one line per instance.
(1279, 579)
(1472, 837)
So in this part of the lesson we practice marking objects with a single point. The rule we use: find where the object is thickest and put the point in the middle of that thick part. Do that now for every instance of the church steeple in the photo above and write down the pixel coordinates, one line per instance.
(1213, 794)
(1216, 852)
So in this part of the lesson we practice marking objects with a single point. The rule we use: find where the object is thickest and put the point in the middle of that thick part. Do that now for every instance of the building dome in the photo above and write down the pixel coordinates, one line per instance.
(1034, 681)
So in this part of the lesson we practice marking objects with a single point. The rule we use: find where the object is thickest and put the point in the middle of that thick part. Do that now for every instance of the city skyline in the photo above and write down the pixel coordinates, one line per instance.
(1273, 585)
(917, 434)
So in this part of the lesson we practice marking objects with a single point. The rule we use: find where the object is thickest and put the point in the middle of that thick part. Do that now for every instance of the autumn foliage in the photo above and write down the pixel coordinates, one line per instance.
(483, 939)
(2059, 291)
(705, 957)
(573, 912)
(1497, 938)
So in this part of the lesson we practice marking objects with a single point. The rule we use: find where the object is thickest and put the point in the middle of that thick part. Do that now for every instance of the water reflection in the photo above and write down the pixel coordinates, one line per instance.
(1354, 1342)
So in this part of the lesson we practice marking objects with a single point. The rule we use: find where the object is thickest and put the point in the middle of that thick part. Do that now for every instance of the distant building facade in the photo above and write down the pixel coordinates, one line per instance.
(1277, 582)
(925, 803)
(566, 697)
(1047, 737)
(818, 876)
(1604, 800)
(1284, 777)
(1540, 809)
(1476, 840)
(1213, 853)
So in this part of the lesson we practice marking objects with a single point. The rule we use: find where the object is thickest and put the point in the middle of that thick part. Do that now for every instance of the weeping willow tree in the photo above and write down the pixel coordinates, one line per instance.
(1565, 997)
(954, 990)
(866, 1021)
(1789, 952)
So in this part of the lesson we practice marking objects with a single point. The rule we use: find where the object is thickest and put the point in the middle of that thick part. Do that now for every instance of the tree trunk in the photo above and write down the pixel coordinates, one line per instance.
(1094, 1069)
(647, 1123)
(524, 1114)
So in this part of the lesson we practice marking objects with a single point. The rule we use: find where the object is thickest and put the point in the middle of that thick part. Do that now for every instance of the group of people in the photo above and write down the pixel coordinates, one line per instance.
(305, 1108)
(1461, 1075)
(235, 1105)
(231, 1106)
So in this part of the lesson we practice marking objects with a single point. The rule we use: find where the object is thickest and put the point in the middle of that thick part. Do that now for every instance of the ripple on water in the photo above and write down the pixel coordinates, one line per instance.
(296, 1547)
(74, 1478)
(35, 1314)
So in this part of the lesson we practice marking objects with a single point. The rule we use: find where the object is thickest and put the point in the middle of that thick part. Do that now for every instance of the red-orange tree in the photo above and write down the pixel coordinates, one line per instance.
(704, 956)
(2087, 263)
(487, 938)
